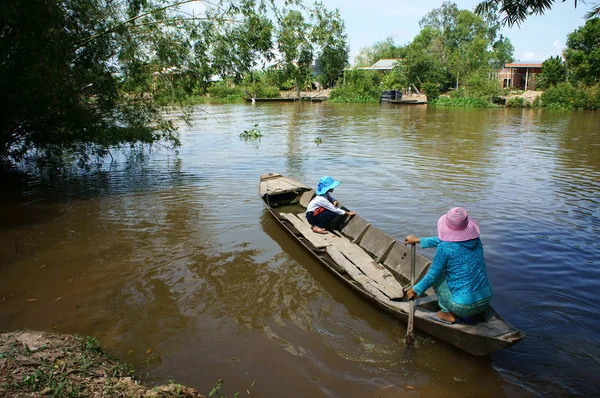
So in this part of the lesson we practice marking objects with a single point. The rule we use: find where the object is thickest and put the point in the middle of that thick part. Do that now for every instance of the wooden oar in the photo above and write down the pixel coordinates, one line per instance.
(410, 332)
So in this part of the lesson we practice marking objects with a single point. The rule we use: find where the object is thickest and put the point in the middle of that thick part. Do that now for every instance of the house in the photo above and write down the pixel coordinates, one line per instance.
(383, 65)
(520, 74)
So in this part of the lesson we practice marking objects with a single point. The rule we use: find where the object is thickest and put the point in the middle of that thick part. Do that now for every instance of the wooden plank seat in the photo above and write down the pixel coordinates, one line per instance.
(380, 277)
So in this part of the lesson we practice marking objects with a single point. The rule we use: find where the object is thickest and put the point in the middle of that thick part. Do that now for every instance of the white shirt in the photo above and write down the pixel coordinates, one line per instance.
(325, 201)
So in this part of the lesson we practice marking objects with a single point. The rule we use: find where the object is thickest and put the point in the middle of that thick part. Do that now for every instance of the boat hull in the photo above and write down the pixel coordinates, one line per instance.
(480, 339)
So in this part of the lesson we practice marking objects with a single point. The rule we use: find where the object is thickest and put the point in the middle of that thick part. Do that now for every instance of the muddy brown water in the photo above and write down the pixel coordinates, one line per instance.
(171, 260)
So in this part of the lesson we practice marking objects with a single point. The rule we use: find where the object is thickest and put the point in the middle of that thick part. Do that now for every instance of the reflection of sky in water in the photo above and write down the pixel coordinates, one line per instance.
(194, 259)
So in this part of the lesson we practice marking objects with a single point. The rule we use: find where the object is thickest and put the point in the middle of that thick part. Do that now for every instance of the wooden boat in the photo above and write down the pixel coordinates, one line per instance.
(377, 266)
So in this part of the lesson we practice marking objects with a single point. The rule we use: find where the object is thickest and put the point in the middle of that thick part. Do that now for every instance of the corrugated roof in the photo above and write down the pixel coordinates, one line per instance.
(524, 64)
(385, 63)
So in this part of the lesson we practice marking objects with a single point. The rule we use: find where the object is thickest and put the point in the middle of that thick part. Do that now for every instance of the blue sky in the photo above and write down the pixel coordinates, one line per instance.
(538, 38)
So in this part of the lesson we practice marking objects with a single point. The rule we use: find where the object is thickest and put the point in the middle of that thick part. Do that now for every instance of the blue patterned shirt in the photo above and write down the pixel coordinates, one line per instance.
(462, 265)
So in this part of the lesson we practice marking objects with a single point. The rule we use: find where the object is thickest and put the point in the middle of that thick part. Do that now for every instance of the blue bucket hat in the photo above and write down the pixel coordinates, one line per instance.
(325, 184)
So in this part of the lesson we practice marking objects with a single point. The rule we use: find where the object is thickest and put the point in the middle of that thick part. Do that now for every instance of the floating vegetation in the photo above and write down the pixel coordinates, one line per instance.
(253, 133)
(318, 140)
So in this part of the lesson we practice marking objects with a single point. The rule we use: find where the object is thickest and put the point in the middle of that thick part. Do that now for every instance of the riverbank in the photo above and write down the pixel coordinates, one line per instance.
(37, 364)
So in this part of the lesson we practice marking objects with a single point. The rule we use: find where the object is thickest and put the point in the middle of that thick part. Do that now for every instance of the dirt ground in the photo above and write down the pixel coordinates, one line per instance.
(38, 364)
(528, 96)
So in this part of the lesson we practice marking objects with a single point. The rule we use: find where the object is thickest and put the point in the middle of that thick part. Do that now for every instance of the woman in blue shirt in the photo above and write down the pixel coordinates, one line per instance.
(458, 272)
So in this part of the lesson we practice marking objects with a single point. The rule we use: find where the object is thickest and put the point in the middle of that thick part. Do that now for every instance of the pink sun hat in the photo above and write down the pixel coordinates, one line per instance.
(456, 226)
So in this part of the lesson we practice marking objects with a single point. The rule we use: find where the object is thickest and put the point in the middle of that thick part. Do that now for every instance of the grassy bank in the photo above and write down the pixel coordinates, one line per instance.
(36, 364)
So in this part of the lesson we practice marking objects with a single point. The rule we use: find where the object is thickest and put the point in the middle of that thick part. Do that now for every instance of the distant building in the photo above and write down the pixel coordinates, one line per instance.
(519, 75)
(383, 65)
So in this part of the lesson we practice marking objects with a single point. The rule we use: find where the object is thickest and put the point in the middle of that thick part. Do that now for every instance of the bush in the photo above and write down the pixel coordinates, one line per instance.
(515, 102)
(462, 102)
(260, 90)
(358, 86)
(222, 90)
(432, 91)
(567, 97)
(346, 93)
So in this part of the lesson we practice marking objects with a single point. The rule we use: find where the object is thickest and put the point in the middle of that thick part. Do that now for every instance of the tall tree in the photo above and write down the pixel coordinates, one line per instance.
(296, 48)
(583, 53)
(330, 37)
(553, 72)
(77, 75)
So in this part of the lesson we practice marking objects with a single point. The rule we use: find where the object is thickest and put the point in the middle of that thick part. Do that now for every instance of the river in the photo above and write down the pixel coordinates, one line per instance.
(171, 260)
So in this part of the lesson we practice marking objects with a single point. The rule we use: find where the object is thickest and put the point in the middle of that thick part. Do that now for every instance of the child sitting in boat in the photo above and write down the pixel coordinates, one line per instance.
(458, 273)
(323, 208)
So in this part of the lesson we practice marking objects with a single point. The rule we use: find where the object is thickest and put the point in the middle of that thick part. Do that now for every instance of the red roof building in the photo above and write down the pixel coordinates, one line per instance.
(520, 75)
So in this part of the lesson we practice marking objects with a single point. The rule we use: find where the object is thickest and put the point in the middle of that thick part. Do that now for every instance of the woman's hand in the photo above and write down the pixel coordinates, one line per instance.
(411, 240)
(411, 294)
(350, 213)
(336, 203)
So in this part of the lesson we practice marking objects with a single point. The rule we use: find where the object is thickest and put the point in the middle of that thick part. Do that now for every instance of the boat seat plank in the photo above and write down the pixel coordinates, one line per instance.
(280, 184)
(355, 273)
(306, 197)
(399, 260)
(355, 228)
(382, 278)
(317, 240)
(376, 242)
(378, 273)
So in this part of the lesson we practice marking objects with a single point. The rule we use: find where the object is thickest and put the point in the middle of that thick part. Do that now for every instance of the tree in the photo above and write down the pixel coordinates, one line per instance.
(329, 35)
(79, 75)
(466, 40)
(583, 53)
(517, 11)
(385, 49)
(295, 47)
(502, 53)
(553, 72)
(424, 59)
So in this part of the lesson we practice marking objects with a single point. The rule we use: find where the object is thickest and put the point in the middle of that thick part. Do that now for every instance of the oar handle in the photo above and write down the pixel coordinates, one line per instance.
(413, 260)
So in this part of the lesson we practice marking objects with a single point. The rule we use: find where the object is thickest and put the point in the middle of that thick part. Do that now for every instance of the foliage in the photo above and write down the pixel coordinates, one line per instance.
(461, 43)
(252, 133)
(295, 47)
(217, 387)
(82, 76)
(517, 11)
(223, 90)
(432, 91)
(502, 53)
(554, 71)
(583, 53)
(396, 77)
(358, 85)
(515, 102)
(385, 49)
(463, 102)
(424, 59)
(329, 34)
(565, 96)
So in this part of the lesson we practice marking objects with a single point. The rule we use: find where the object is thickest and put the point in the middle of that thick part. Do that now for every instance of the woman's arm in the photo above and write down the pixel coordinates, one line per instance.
(425, 242)
(438, 267)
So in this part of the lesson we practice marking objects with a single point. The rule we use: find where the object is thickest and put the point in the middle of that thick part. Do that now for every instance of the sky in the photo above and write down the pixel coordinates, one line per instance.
(537, 39)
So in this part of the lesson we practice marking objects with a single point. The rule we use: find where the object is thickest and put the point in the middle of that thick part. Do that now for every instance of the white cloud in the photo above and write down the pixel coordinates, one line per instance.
(530, 56)
(558, 45)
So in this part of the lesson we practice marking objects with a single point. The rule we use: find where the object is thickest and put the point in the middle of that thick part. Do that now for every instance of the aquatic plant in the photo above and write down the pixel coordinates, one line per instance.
(318, 140)
(253, 133)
